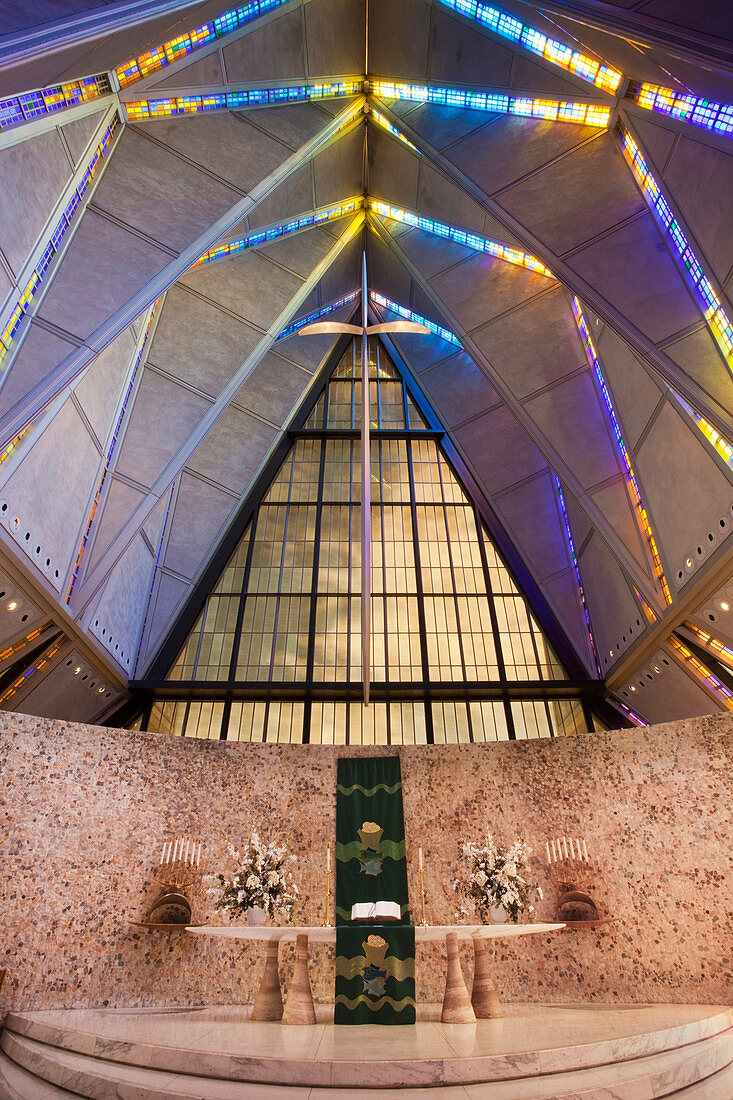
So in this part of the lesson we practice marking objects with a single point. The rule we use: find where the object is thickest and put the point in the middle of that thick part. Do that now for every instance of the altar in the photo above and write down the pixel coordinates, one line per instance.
(459, 1006)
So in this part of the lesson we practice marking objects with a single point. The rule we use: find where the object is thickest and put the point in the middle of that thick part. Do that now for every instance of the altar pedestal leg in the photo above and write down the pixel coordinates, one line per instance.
(268, 1002)
(484, 995)
(299, 1008)
(456, 1002)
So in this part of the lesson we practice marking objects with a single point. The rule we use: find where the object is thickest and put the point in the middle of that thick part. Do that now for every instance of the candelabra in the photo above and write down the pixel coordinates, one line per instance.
(178, 869)
(570, 869)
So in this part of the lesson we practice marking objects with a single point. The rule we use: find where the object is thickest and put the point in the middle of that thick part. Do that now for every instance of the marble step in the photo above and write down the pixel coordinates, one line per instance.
(717, 1087)
(262, 1058)
(645, 1078)
(17, 1083)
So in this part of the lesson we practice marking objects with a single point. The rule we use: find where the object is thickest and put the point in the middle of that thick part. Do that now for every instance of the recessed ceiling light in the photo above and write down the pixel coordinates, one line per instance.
(14, 603)
(724, 606)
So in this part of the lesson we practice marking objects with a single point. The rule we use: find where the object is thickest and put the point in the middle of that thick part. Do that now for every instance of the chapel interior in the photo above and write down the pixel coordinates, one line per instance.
(469, 264)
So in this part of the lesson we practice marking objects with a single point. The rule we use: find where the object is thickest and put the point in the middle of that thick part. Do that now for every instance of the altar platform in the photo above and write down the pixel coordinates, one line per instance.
(593, 1052)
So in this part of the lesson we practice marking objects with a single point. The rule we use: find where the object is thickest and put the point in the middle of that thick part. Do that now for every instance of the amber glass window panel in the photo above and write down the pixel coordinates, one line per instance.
(415, 421)
(515, 632)
(443, 643)
(185, 664)
(393, 551)
(341, 400)
(290, 651)
(450, 723)
(477, 638)
(232, 578)
(341, 477)
(168, 717)
(426, 468)
(435, 557)
(549, 665)
(346, 366)
(465, 551)
(407, 724)
(499, 577)
(530, 720)
(316, 419)
(217, 638)
(246, 720)
(256, 637)
(339, 550)
(488, 721)
(391, 405)
(337, 639)
(568, 717)
(328, 723)
(306, 471)
(391, 472)
(204, 719)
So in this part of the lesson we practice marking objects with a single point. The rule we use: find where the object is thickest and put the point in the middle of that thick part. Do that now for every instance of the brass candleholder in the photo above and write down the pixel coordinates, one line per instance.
(177, 872)
(424, 921)
(327, 921)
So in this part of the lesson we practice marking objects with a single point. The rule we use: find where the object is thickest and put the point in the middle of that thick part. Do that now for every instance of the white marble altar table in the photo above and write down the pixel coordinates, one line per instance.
(458, 1006)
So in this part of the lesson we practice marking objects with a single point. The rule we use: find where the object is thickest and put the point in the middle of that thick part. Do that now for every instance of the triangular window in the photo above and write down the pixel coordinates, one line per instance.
(456, 651)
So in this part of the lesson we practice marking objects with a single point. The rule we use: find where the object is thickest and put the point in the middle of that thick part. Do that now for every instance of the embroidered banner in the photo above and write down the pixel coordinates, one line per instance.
(375, 964)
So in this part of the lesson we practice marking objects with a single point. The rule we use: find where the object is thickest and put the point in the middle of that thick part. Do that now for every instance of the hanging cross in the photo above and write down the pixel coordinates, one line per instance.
(366, 504)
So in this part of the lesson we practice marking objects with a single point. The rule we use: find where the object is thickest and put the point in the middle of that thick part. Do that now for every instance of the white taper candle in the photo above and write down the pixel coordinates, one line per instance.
(565, 846)
(547, 846)
(554, 852)
(175, 851)
(419, 858)
(198, 856)
(328, 859)
(572, 849)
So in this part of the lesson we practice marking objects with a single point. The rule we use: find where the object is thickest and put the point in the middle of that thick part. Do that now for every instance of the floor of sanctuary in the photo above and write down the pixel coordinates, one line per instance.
(563, 1052)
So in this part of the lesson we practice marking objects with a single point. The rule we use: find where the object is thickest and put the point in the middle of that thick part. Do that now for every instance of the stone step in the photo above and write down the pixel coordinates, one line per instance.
(642, 1078)
(17, 1083)
(717, 1087)
(251, 1056)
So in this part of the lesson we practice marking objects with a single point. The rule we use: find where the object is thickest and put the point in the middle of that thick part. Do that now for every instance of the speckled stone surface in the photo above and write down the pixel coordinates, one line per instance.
(83, 811)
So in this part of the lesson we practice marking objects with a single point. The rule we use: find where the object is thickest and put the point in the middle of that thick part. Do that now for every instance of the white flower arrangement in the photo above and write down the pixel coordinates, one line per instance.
(498, 878)
(260, 879)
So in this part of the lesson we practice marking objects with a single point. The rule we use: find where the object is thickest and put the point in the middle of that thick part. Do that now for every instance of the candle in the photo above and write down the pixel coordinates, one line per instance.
(198, 856)
(419, 858)
(188, 845)
(572, 849)
(585, 852)
(328, 859)
(175, 851)
(554, 851)
(565, 846)
(547, 846)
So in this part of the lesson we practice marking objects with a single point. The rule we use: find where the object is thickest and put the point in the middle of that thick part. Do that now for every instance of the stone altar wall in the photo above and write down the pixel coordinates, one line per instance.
(83, 811)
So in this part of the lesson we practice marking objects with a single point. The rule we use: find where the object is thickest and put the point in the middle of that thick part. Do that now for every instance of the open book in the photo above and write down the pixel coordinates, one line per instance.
(376, 912)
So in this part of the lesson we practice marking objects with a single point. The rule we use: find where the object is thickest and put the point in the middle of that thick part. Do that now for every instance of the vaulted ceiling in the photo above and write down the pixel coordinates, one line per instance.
(143, 394)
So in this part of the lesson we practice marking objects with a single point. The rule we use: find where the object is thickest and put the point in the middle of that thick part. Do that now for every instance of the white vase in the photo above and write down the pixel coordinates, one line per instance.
(498, 914)
(255, 915)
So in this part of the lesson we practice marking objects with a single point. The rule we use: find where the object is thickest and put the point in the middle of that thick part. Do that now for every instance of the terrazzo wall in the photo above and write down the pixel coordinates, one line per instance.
(83, 811)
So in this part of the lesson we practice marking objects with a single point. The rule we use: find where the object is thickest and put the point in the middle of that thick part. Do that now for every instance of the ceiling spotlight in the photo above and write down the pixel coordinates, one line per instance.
(14, 603)
(724, 605)
(77, 670)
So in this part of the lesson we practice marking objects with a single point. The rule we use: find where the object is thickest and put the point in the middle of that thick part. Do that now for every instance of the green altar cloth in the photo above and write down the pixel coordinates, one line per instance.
(375, 964)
